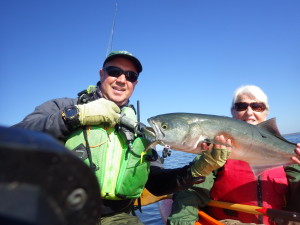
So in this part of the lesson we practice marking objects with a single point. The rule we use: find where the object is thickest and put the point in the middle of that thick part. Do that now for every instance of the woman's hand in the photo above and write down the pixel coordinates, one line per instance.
(297, 151)
(212, 159)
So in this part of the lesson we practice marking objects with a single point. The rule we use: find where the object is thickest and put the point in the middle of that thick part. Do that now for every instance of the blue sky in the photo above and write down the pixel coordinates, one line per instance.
(195, 53)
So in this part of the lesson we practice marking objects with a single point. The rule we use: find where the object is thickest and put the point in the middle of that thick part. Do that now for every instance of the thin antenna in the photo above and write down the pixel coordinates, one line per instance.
(138, 114)
(110, 42)
(138, 111)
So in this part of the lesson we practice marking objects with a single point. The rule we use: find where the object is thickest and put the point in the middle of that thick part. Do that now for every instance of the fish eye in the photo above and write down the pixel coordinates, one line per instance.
(164, 126)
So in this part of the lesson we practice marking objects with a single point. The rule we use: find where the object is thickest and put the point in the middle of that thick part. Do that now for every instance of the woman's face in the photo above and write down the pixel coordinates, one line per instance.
(249, 115)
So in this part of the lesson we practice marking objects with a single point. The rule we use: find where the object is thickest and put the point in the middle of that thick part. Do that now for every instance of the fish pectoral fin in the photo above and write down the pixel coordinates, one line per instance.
(219, 143)
(207, 141)
(194, 137)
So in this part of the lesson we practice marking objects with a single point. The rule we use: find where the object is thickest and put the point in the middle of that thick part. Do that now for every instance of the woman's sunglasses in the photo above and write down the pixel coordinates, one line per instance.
(255, 106)
(115, 71)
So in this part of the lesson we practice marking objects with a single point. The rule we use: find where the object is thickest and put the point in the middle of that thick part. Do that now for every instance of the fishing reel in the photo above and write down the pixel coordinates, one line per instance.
(166, 152)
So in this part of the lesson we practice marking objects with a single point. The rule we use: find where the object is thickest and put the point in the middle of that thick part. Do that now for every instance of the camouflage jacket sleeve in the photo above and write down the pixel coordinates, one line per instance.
(163, 181)
(187, 203)
(293, 197)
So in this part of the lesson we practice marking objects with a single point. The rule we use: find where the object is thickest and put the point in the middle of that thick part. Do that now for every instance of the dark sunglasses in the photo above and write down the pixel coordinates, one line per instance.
(255, 106)
(115, 71)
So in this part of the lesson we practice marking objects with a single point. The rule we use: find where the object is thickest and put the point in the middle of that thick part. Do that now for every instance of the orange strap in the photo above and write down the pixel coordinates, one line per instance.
(237, 207)
(205, 219)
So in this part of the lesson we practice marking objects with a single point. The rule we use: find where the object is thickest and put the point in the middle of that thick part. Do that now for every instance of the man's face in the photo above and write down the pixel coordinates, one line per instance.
(117, 89)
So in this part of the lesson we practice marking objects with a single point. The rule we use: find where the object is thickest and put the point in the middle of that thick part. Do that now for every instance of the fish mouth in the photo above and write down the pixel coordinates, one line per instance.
(149, 134)
(156, 131)
(152, 134)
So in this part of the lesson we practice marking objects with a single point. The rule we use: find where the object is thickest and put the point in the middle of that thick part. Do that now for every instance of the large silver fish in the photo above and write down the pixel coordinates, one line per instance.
(260, 145)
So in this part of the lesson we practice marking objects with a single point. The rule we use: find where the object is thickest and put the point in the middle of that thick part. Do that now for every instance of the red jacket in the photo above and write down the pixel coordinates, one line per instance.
(236, 183)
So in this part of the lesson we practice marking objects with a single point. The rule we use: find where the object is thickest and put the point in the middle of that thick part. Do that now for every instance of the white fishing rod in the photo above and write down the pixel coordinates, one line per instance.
(137, 126)
(110, 40)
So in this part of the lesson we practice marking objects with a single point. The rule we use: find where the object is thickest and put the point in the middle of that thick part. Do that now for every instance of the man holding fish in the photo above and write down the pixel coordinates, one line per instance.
(89, 126)
(258, 180)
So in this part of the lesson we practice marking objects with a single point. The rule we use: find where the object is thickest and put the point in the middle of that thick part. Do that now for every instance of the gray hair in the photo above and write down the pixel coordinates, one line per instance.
(252, 91)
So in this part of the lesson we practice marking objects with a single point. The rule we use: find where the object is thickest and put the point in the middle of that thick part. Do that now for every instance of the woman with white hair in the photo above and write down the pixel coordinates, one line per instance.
(250, 104)
(235, 181)
(254, 97)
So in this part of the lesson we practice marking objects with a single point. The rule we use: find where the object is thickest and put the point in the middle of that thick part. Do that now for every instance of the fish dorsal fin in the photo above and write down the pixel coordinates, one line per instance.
(271, 126)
